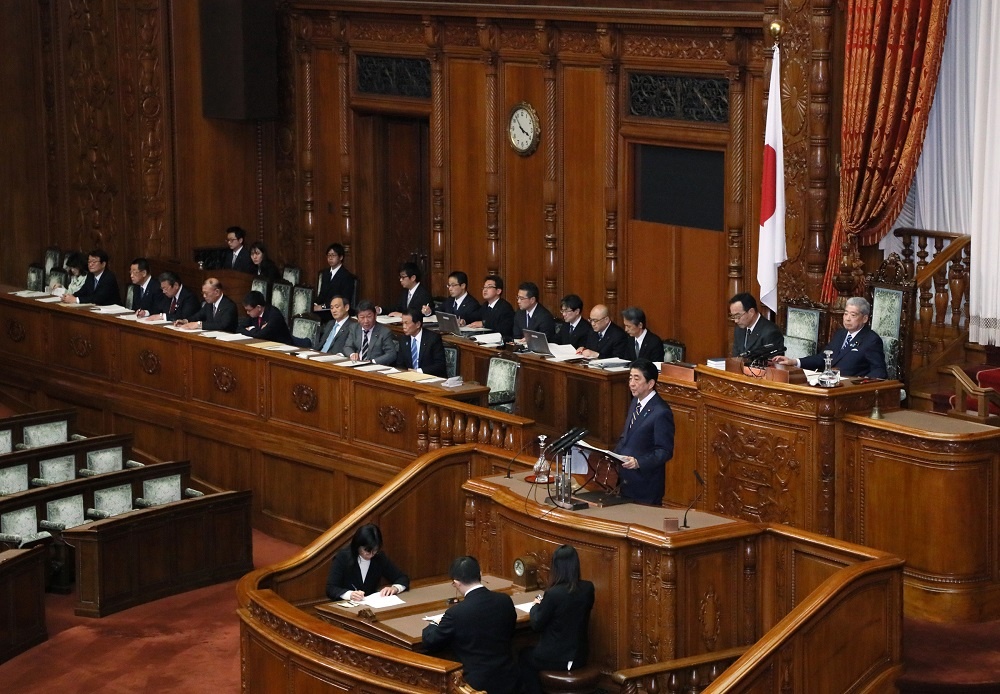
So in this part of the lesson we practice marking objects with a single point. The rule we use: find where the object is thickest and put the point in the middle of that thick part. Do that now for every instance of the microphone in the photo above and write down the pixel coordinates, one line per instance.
(519, 452)
(567, 440)
(761, 353)
(701, 488)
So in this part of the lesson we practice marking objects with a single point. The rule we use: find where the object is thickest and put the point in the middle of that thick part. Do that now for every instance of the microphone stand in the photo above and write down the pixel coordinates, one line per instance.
(701, 489)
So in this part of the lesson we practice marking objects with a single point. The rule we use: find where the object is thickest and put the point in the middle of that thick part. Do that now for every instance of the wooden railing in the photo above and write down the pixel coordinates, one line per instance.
(442, 422)
(681, 676)
(967, 392)
(942, 290)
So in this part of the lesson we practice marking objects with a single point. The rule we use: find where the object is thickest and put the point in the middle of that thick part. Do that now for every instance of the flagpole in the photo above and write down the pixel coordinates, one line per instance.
(771, 251)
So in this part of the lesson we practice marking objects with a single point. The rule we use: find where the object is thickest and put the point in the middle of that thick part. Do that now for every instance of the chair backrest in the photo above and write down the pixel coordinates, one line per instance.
(302, 300)
(46, 434)
(61, 469)
(281, 297)
(306, 328)
(129, 293)
(67, 512)
(291, 274)
(451, 360)
(673, 350)
(892, 293)
(13, 479)
(56, 276)
(6, 441)
(262, 285)
(106, 460)
(53, 259)
(36, 278)
(114, 500)
(501, 379)
(162, 490)
(22, 521)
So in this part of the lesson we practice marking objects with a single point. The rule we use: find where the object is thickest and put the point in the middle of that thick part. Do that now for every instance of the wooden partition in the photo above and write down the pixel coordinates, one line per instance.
(22, 605)
(661, 594)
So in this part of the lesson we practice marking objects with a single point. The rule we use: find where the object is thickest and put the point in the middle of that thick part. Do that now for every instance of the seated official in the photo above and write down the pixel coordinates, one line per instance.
(264, 322)
(415, 295)
(459, 302)
(607, 339)
(146, 294)
(362, 568)
(495, 313)
(337, 281)
(531, 315)
(237, 257)
(76, 270)
(218, 312)
(100, 287)
(478, 630)
(174, 303)
(647, 442)
(562, 615)
(642, 343)
(752, 332)
(575, 329)
(421, 350)
(333, 339)
(857, 349)
(372, 340)
(263, 266)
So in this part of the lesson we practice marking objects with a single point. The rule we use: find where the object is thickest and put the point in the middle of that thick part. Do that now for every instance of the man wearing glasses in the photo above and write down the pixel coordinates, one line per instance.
(459, 302)
(531, 315)
(237, 258)
(857, 349)
(752, 332)
(335, 281)
(607, 340)
(574, 329)
(415, 295)
(495, 314)
(101, 285)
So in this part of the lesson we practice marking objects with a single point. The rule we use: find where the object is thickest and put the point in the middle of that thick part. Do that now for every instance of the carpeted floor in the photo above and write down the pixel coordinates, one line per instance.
(184, 643)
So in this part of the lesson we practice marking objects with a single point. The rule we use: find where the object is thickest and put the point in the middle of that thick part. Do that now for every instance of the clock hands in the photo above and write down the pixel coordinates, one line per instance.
(518, 121)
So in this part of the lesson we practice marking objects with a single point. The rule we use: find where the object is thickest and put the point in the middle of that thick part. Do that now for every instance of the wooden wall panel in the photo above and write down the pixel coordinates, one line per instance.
(328, 220)
(295, 494)
(582, 135)
(218, 463)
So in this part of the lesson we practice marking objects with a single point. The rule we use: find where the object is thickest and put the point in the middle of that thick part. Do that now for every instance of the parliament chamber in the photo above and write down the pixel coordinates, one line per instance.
(384, 125)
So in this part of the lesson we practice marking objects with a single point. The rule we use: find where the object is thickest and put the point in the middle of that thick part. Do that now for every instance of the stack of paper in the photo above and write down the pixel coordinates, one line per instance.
(717, 363)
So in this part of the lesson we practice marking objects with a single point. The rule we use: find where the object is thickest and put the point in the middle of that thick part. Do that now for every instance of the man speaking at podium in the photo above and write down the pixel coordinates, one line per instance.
(647, 442)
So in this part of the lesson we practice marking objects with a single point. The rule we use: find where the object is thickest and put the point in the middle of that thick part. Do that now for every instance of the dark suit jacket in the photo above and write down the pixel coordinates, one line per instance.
(652, 348)
(651, 442)
(865, 356)
(225, 320)
(243, 262)
(431, 354)
(764, 333)
(187, 305)
(267, 269)
(615, 343)
(382, 346)
(340, 340)
(105, 293)
(479, 630)
(499, 319)
(563, 618)
(146, 300)
(342, 284)
(270, 326)
(421, 298)
(541, 320)
(345, 574)
(576, 336)
(468, 311)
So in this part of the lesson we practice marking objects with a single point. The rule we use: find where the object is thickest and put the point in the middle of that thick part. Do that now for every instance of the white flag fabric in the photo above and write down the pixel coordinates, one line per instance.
(771, 244)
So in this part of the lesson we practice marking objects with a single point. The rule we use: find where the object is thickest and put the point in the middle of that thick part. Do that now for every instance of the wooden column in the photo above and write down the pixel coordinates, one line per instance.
(488, 42)
(608, 39)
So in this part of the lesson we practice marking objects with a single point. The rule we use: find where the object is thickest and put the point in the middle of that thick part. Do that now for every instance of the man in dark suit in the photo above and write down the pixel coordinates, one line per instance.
(337, 331)
(101, 285)
(264, 322)
(174, 302)
(237, 257)
(647, 442)
(145, 293)
(415, 295)
(531, 315)
(574, 329)
(217, 313)
(857, 349)
(607, 339)
(642, 343)
(495, 313)
(371, 341)
(479, 630)
(425, 345)
(459, 302)
(336, 281)
(753, 332)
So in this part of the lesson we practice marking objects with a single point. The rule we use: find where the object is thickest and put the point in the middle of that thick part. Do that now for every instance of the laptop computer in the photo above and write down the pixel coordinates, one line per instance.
(448, 323)
(537, 342)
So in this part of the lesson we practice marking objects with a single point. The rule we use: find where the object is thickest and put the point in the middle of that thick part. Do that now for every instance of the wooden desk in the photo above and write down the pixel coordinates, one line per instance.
(403, 625)
(22, 605)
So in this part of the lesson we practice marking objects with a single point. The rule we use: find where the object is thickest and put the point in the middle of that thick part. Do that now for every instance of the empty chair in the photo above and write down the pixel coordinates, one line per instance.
(111, 502)
(102, 461)
(64, 513)
(45, 434)
(801, 331)
(55, 470)
(13, 479)
(302, 300)
(6, 441)
(20, 527)
(451, 360)
(305, 332)
(673, 350)
(262, 285)
(291, 274)
(502, 382)
(161, 490)
(281, 297)
(36, 278)
(53, 259)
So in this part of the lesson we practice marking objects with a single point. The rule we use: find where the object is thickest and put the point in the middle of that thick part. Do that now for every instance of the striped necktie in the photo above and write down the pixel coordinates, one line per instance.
(414, 354)
(635, 414)
(364, 347)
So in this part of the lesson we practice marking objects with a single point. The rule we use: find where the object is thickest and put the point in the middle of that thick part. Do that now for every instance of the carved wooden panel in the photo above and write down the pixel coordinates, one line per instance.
(86, 346)
(297, 397)
(224, 377)
(153, 363)
(383, 414)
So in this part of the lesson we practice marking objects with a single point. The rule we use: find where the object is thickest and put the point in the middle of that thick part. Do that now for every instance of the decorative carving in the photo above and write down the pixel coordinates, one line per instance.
(15, 331)
(732, 391)
(225, 379)
(393, 420)
(518, 38)
(755, 468)
(584, 42)
(710, 618)
(539, 397)
(150, 362)
(678, 97)
(461, 35)
(687, 48)
(81, 346)
(304, 397)
(394, 76)
(384, 32)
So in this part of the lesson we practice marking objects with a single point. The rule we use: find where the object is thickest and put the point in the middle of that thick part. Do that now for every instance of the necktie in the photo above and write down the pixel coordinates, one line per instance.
(329, 340)
(260, 321)
(847, 342)
(95, 283)
(173, 305)
(215, 310)
(364, 347)
(746, 339)
(414, 354)
(635, 414)
(637, 346)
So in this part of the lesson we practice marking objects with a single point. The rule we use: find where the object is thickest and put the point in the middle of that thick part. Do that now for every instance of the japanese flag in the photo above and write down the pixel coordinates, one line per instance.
(771, 246)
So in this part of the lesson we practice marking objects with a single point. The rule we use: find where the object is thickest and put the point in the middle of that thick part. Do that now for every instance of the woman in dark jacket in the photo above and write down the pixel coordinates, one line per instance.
(263, 266)
(360, 569)
(562, 616)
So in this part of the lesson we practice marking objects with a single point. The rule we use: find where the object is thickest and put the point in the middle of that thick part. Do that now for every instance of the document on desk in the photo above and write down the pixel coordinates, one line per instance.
(371, 368)
(308, 354)
(416, 377)
(609, 364)
(433, 618)
(153, 321)
(525, 606)
(77, 305)
(184, 328)
(351, 363)
(49, 299)
(329, 358)
(30, 294)
(113, 310)
(282, 348)
(389, 320)
(564, 353)
(227, 337)
(605, 451)
(378, 600)
(488, 338)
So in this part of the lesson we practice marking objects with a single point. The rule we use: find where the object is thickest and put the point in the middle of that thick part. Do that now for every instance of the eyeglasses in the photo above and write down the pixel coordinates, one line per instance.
(736, 316)
(595, 321)
(231, 240)
(489, 286)
(454, 284)
(523, 298)
(567, 310)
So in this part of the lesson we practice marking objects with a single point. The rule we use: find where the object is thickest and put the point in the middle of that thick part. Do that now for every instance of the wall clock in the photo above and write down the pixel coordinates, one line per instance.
(523, 129)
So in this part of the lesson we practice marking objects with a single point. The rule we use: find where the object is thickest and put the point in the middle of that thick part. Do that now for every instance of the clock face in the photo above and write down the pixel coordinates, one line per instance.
(523, 129)
(518, 568)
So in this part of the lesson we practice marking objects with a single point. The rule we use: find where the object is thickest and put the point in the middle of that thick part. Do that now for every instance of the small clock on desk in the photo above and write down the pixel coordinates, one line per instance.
(525, 573)
(523, 129)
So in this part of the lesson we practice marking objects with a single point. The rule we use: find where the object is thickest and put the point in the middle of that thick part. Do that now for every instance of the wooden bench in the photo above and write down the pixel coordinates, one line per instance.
(22, 615)
(21, 470)
(36, 429)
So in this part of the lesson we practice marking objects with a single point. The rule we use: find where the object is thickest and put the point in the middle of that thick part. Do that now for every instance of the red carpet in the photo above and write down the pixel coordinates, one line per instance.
(184, 643)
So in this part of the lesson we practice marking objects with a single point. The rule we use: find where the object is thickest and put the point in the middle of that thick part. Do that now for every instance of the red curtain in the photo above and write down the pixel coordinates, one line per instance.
(893, 54)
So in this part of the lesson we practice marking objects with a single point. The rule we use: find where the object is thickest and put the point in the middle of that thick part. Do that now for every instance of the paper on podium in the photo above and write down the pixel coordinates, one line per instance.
(525, 606)
(113, 309)
(610, 454)
(389, 320)
(379, 600)
(488, 338)
(564, 352)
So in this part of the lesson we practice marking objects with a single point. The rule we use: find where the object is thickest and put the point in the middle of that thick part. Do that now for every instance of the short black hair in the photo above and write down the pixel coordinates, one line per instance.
(337, 248)
(460, 277)
(465, 570)
(530, 287)
(238, 232)
(76, 259)
(170, 277)
(141, 263)
(100, 254)
(411, 270)
(572, 302)
(565, 567)
(368, 537)
(744, 299)
(635, 315)
(495, 279)
(258, 246)
(254, 299)
(646, 368)
(364, 305)
(347, 302)
(415, 315)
